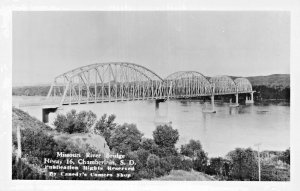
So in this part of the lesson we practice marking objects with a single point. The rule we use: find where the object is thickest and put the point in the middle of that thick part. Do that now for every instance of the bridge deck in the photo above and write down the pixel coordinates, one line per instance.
(91, 100)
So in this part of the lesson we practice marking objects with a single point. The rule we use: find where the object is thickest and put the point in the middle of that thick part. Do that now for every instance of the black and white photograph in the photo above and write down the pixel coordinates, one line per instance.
(161, 97)
(153, 95)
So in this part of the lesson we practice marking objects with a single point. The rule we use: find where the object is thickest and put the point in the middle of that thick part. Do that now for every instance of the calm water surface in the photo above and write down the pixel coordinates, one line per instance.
(218, 132)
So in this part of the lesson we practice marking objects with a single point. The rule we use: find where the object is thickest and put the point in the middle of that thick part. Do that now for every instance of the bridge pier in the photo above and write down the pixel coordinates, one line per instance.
(157, 103)
(212, 103)
(251, 100)
(212, 109)
(236, 99)
(161, 118)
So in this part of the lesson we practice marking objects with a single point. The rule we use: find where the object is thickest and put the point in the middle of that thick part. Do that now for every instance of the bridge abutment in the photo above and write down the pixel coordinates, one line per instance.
(46, 110)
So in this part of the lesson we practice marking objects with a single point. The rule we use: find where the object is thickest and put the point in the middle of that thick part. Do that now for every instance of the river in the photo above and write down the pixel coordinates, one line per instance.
(218, 132)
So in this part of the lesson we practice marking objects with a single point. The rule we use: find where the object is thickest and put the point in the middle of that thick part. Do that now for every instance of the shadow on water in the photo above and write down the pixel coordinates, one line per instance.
(272, 102)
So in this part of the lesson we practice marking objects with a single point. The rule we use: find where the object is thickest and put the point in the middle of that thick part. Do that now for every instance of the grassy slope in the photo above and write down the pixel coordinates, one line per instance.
(25, 121)
(182, 175)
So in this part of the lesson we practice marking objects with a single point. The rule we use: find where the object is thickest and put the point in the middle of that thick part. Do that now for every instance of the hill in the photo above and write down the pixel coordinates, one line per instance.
(79, 140)
(274, 80)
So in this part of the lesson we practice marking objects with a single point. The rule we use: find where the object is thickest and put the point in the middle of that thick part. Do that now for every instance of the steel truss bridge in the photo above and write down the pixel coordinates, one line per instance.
(118, 81)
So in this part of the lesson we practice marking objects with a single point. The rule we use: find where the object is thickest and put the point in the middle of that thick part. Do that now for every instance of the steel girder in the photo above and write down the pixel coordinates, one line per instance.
(223, 85)
(187, 84)
(107, 82)
(243, 85)
(118, 81)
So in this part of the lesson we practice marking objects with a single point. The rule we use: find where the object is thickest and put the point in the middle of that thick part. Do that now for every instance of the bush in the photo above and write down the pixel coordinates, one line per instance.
(218, 166)
(125, 138)
(60, 122)
(190, 148)
(143, 156)
(38, 145)
(285, 156)
(165, 136)
(153, 163)
(75, 123)
(105, 126)
(244, 164)
(271, 173)
(200, 161)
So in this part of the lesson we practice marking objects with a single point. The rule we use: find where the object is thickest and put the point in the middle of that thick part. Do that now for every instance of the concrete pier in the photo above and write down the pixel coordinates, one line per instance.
(212, 109)
(237, 99)
(250, 100)
(46, 110)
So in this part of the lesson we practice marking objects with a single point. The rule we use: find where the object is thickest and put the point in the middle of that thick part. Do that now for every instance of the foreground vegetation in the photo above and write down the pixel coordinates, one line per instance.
(156, 158)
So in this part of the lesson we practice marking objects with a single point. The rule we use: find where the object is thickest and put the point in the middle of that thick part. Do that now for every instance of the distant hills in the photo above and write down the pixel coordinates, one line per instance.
(274, 80)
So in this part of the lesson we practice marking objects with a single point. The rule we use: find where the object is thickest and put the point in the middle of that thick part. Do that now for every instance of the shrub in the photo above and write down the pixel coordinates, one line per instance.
(190, 148)
(143, 156)
(200, 161)
(125, 138)
(271, 173)
(166, 164)
(60, 122)
(153, 163)
(104, 126)
(244, 164)
(218, 166)
(75, 123)
(38, 145)
(165, 136)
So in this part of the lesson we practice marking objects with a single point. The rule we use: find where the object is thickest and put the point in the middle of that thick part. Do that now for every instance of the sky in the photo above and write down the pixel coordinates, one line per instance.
(237, 43)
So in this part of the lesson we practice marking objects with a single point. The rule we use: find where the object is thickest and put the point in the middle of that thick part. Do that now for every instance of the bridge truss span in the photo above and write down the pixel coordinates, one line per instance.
(188, 84)
(122, 81)
(223, 85)
(107, 82)
(243, 85)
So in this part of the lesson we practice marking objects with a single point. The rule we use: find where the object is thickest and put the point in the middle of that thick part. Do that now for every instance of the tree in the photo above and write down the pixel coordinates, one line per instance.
(190, 148)
(84, 121)
(74, 122)
(217, 166)
(244, 164)
(125, 138)
(269, 172)
(153, 163)
(143, 156)
(60, 122)
(87, 118)
(200, 161)
(285, 157)
(105, 123)
(104, 126)
(38, 144)
(165, 136)
(149, 145)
